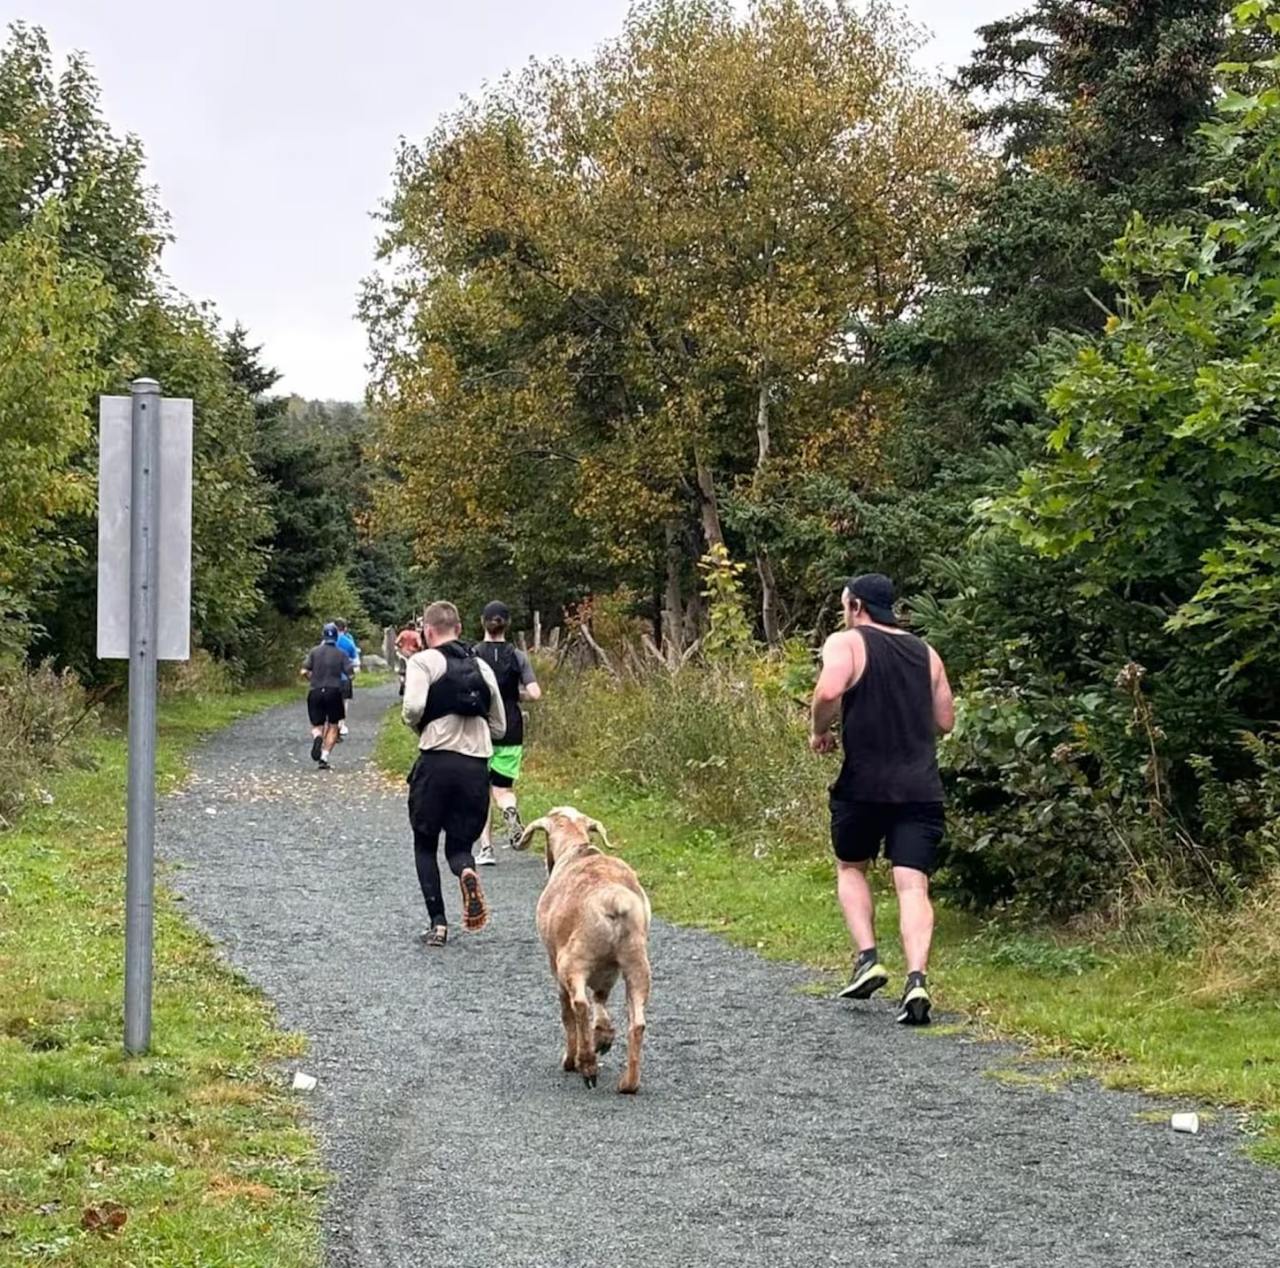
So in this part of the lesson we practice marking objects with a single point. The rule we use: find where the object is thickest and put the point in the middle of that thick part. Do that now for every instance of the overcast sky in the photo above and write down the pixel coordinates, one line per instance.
(270, 127)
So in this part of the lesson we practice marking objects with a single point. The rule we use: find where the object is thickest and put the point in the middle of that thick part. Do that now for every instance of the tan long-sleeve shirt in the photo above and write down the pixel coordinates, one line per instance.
(473, 736)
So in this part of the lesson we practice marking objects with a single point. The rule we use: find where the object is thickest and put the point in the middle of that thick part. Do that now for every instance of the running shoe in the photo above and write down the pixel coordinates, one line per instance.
(484, 855)
(475, 912)
(317, 743)
(515, 829)
(868, 977)
(916, 1003)
(436, 936)
(324, 764)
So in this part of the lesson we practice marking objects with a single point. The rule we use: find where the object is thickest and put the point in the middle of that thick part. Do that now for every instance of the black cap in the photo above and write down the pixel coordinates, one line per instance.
(876, 592)
(496, 611)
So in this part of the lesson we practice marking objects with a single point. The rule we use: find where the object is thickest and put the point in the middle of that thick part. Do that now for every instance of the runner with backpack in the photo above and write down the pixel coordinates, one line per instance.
(451, 699)
(514, 675)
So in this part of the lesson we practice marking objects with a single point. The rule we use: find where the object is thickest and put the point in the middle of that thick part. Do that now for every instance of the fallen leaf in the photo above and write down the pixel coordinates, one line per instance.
(108, 1218)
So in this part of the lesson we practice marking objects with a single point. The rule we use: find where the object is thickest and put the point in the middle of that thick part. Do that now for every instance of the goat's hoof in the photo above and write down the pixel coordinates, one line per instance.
(603, 1044)
(569, 1064)
(589, 1080)
(628, 1089)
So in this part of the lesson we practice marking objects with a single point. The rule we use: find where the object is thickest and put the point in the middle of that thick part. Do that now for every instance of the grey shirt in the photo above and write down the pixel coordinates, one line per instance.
(526, 668)
(327, 664)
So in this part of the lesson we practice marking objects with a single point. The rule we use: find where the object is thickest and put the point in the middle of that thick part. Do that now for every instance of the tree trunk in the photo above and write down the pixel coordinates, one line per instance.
(673, 600)
(764, 565)
(709, 506)
(762, 426)
(695, 619)
(768, 598)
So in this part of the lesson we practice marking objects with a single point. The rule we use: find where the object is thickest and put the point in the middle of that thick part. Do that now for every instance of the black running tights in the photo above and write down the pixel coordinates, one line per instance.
(448, 793)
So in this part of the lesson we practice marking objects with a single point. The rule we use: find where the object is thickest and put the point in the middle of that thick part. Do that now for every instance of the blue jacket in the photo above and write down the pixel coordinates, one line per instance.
(348, 645)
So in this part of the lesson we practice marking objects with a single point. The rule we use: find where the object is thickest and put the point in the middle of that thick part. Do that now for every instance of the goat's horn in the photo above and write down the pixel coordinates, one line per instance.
(594, 825)
(538, 825)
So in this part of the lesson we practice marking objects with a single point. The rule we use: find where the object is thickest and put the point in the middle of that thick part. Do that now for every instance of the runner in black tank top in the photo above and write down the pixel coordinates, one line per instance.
(514, 673)
(890, 690)
(887, 728)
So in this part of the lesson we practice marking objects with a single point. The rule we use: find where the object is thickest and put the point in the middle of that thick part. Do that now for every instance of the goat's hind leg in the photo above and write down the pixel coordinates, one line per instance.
(580, 1006)
(603, 1032)
(570, 1024)
(638, 980)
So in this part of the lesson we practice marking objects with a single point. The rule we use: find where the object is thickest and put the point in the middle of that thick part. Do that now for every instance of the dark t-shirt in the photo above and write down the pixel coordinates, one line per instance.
(328, 664)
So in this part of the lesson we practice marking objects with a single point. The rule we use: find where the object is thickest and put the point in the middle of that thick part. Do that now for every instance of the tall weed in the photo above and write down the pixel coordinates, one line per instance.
(732, 755)
(45, 715)
(1242, 957)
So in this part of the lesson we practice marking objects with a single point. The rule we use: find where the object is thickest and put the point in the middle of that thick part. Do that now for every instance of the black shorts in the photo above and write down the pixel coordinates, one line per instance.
(448, 792)
(324, 706)
(910, 831)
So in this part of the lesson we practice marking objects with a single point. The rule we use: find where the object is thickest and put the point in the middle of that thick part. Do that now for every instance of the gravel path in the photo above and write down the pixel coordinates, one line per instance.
(771, 1129)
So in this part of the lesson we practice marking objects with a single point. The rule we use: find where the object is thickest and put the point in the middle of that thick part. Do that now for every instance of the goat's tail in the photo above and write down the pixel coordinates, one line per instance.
(624, 910)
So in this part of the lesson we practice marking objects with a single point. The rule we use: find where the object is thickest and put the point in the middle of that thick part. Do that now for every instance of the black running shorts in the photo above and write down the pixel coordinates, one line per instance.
(324, 706)
(911, 832)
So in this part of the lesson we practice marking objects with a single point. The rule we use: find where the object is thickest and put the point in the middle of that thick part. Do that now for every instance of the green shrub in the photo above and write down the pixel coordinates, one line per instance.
(202, 675)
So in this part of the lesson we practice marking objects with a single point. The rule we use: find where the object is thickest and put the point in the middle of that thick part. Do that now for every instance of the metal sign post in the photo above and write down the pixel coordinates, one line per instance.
(144, 500)
(144, 602)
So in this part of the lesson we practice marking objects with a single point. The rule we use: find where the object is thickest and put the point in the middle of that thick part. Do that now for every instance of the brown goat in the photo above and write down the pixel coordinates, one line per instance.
(593, 918)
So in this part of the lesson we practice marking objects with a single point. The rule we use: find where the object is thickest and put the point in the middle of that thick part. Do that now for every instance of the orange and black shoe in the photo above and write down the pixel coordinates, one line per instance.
(475, 911)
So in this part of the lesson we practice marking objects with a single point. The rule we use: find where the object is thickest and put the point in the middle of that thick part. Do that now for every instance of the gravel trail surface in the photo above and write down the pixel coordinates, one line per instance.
(772, 1129)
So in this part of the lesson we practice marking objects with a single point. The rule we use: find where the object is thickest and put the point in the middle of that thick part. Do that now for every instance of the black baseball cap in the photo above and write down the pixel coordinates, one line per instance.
(876, 592)
(496, 611)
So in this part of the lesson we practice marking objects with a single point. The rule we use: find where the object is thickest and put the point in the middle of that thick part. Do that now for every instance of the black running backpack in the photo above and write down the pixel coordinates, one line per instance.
(462, 691)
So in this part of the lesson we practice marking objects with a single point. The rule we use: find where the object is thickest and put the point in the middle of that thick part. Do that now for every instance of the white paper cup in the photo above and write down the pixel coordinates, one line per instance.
(1189, 1123)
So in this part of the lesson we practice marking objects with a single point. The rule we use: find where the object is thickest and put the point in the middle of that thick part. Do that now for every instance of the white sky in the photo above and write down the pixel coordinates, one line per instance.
(270, 127)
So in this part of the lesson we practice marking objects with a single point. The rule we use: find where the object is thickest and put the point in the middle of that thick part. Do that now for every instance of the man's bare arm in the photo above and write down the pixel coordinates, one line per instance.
(944, 706)
(839, 670)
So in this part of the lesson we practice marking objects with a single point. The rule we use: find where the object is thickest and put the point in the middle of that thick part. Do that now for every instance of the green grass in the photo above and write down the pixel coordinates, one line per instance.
(198, 1141)
(1121, 1013)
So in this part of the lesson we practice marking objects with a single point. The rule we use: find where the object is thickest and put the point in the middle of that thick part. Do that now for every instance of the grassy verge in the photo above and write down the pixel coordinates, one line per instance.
(195, 1145)
(1116, 1012)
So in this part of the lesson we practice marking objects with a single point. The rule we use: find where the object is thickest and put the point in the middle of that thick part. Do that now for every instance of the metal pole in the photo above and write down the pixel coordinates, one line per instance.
(140, 865)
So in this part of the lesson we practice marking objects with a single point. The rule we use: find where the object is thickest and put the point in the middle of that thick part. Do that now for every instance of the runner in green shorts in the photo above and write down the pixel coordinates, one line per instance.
(515, 677)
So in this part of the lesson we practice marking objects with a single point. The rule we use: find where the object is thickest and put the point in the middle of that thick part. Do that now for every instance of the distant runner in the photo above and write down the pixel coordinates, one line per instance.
(325, 667)
(408, 643)
(452, 700)
(893, 692)
(348, 644)
(514, 674)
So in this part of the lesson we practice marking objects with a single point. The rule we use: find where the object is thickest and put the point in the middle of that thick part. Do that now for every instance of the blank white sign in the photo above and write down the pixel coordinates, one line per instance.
(115, 456)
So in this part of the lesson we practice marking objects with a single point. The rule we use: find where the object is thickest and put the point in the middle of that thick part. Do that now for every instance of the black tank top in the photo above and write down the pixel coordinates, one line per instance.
(888, 730)
(505, 664)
